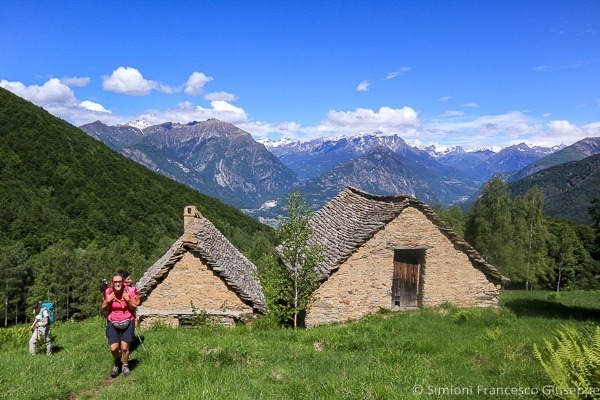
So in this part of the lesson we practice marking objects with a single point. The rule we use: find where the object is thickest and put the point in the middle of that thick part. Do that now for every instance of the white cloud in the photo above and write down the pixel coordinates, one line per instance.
(445, 98)
(513, 124)
(92, 106)
(386, 119)
(453, 113)
(58, 99)
(53, 91)
(74, 81)
(546, 115)
(261, 129)
(573, 65)
(196, 82)
(562, 131)
(130, 81)
(220, 96)
(471, 104)
(161, 87)
(363, 86)
(592, 129)
(562, 128)
(187, 112)
(401, 71)
(451, 128)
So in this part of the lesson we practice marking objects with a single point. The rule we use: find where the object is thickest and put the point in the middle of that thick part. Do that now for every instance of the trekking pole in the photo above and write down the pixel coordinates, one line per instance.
(139, 338)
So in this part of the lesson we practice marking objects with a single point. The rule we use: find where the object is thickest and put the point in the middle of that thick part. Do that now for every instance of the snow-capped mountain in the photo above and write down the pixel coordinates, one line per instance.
(223, 161)
(311, 158)
(138, 123)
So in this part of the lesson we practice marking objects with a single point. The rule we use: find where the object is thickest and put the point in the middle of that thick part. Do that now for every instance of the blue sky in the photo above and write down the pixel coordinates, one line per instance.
(470, 73)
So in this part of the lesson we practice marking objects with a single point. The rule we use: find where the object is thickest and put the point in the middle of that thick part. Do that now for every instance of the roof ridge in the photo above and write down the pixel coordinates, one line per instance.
(204, 239)
(368, 214)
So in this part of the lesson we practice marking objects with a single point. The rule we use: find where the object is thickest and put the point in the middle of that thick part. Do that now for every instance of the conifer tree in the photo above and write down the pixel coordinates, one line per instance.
(15, 276)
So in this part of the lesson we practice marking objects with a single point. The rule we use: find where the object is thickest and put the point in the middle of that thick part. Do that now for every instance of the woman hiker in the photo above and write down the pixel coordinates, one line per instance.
(120, 303)
(40, 328)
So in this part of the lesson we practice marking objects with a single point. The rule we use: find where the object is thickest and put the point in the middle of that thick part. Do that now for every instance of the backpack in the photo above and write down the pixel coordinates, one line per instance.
(49, 306)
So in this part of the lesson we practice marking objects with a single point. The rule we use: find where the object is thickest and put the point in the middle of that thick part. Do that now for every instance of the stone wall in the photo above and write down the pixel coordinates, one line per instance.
(190, 280)
(363, 284)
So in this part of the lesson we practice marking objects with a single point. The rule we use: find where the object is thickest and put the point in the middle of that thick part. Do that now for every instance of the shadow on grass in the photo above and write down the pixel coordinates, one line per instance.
(551, 310)
(138, 343)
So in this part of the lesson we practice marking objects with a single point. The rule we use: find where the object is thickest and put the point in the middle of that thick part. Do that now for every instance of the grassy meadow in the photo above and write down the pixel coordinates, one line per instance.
(442, 352)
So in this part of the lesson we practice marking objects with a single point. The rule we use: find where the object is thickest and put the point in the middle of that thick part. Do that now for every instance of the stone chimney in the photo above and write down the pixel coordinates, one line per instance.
(189, 214)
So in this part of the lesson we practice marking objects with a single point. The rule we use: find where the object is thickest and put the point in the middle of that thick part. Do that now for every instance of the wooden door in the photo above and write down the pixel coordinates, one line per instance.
(405, 282)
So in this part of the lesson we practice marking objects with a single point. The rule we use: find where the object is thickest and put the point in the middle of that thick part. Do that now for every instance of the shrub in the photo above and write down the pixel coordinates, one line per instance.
(266, 322)
(199, 317)
(13, 337)
(553, 296)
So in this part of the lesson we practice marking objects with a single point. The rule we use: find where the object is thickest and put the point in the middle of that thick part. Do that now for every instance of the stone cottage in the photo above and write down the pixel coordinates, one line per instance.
(202, 269)
(392, 252)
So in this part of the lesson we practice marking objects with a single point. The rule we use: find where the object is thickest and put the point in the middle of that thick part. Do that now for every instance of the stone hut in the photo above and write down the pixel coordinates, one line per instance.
(202, 269)
(393, 252)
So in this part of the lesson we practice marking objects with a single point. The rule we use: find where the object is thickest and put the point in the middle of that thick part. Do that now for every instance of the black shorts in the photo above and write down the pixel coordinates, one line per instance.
(115, 335)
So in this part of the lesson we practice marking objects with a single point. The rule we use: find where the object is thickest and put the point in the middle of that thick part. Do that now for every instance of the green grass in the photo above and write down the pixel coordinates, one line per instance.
(384, 356)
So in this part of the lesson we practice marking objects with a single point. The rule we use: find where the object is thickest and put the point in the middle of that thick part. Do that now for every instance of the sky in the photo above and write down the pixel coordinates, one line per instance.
(468, 73)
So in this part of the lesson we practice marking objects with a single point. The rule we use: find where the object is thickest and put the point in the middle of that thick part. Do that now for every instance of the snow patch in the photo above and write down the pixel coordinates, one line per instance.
(268, 204)
(138, 123)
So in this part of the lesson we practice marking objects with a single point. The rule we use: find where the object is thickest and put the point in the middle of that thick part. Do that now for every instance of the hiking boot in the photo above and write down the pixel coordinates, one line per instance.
(126, 370)
(116, 369)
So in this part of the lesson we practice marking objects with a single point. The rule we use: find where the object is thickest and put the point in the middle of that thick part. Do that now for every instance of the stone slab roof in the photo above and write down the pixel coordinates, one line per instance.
(205, 240)
(353, 217)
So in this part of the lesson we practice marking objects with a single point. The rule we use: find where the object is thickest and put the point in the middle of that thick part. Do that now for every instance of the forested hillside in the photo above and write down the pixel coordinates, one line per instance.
(72, 211)
(569, 188)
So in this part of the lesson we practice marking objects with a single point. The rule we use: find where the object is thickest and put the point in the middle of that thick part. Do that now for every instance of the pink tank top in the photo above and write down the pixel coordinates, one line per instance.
(119, 310)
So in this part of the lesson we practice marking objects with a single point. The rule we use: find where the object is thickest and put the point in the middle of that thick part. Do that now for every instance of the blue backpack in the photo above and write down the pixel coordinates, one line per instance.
(49, 306)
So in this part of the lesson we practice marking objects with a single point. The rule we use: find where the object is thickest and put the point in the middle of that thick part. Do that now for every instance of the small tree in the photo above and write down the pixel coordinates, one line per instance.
(289, 284)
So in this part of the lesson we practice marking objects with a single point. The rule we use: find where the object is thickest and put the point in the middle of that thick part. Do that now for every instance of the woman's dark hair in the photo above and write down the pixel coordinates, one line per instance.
(37, 305)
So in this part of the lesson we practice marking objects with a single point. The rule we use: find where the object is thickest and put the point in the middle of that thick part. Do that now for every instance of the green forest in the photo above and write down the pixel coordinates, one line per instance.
(527, 246)
(73, 211)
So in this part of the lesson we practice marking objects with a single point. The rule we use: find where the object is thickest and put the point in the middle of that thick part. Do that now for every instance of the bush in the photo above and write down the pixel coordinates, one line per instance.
(553, 296)
(267, 322)
(14, 337)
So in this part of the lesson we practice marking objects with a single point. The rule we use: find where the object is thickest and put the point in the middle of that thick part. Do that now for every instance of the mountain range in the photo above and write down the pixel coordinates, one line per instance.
(221, 160)
(213, 157)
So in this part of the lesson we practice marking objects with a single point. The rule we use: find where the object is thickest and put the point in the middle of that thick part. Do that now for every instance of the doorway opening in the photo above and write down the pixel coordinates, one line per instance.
(406, 287)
